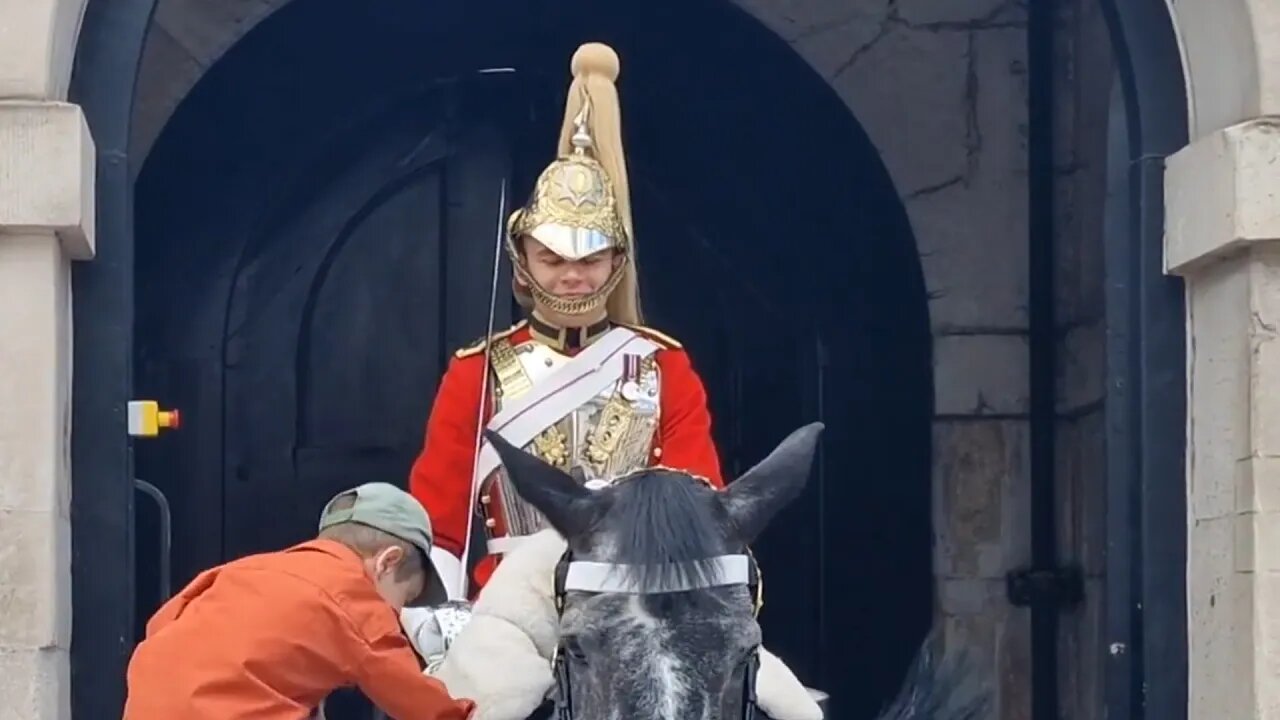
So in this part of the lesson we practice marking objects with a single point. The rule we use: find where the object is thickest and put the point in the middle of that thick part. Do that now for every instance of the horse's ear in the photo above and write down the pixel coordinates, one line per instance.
(753, 499)
(566, 504)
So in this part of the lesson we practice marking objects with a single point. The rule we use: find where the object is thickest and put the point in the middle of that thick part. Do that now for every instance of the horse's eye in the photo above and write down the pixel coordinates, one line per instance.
(574, 649)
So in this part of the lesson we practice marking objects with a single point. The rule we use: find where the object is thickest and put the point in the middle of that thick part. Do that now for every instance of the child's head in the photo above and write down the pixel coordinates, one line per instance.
(390, 531)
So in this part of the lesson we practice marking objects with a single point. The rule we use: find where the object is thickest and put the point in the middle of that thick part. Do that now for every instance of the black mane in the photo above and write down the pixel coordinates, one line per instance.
(667, 529)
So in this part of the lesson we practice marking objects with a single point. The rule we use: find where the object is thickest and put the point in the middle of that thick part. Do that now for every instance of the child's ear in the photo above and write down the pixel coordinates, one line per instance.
(392, 557)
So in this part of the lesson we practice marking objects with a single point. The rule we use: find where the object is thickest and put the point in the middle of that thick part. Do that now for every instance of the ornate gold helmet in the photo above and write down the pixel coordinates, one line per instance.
(581, 202)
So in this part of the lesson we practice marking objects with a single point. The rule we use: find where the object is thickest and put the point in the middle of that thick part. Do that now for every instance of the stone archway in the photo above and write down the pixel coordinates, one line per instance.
(958, 155)
(964, 160)
(766, 315)
(1229, 51)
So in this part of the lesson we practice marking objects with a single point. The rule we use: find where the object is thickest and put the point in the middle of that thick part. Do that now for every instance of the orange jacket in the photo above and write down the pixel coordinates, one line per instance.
(441, 476)
(270, 636)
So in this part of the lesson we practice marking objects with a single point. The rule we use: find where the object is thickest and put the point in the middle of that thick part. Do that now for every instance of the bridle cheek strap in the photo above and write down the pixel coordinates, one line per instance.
(751, 672)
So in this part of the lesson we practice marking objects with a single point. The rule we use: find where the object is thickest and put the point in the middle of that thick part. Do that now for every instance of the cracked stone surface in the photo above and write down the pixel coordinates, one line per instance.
(1220, 394)
(968, 13)
(980, 375)
(1264, 303)
(796, 20)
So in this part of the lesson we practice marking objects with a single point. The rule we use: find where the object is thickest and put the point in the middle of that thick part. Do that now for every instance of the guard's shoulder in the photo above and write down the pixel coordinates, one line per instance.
(477, 347)
(666, 341)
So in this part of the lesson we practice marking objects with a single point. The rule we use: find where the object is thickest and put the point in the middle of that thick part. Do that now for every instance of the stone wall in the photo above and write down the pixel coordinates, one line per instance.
(941, 89)
(46, 220)
(1223, 225)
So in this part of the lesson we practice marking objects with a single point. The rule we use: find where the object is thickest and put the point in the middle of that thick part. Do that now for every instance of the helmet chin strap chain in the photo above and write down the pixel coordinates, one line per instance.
(482, 405)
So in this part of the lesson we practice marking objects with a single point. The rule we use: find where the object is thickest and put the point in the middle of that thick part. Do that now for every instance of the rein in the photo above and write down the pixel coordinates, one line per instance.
(593, 577)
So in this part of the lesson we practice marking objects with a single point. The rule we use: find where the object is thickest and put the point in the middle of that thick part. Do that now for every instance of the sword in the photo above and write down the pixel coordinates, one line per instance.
(484, 392)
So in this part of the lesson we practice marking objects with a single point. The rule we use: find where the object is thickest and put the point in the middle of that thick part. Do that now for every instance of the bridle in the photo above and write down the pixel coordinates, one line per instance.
(736, 569)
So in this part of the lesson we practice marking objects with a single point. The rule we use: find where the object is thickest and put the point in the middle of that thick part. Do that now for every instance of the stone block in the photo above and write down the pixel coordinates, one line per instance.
(1257, 485)
(35, 684)
(47, 166)
(1219, 386)
(167, 72)
(208, 29)
(909, 91)
(961, 14)
(798, 21)
(961, 596)
(1080, 491)
(1221, 195)
(1084, 77)
(996, 93)
(1079, 269)
(1263, 22)
(1080, 655)
(996, 649)
(1266, 643)
(1220, 629)
(1258, 543)
(34, 376)
(35, 581)
(980, 493)
(1013, 642)
(39, 41)
(971, 227)
(1069, 493)
(1090, 481)
(980, 375)
(945, 108)
(1066, 250)
(1263, 267)
(974, 636)
(1082, 367)
(975, 266)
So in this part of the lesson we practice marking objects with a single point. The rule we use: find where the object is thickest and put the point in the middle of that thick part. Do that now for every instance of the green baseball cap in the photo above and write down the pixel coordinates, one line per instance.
(383, 506)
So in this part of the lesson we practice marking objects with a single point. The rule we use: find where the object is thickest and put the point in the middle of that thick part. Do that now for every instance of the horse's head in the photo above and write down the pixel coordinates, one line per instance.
(658, 615)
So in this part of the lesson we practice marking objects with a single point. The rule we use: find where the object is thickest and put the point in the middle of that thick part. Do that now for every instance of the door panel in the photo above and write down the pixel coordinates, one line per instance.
(341, 324)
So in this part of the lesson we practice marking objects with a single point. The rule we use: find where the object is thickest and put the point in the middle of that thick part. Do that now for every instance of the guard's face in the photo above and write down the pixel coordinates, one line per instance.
(569, 278)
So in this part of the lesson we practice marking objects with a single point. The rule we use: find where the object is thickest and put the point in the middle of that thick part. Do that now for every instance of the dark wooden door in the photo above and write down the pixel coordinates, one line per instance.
(341, 323)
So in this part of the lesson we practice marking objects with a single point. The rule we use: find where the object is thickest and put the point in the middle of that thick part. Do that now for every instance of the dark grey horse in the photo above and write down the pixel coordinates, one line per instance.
(662, 623)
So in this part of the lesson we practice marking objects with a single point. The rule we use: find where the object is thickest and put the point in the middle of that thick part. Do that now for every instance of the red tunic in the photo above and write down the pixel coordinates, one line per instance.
(441, 476)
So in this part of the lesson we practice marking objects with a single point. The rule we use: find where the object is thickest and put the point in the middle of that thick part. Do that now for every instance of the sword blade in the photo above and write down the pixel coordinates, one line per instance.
(482, 404)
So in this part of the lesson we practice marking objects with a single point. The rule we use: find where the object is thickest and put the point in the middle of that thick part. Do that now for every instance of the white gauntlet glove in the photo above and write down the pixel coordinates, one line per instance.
(431, 630)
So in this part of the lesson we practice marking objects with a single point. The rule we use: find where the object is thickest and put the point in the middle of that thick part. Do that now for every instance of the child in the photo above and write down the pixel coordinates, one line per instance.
(270, 636)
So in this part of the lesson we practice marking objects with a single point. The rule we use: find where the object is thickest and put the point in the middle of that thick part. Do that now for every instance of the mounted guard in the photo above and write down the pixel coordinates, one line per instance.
(581, 382)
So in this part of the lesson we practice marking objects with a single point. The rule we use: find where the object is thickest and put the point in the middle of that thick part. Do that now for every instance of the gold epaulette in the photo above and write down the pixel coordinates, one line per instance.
(668, 342)
(477, 347)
